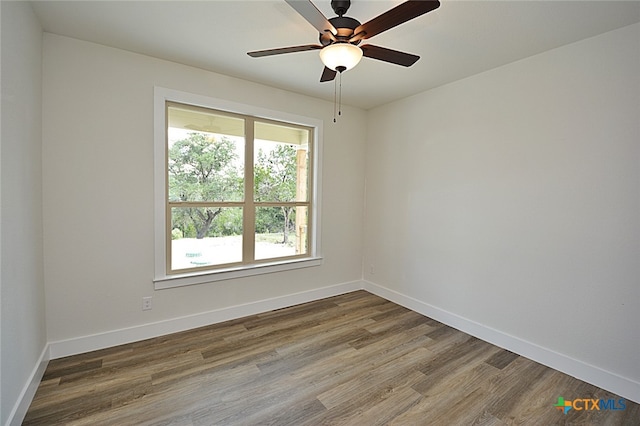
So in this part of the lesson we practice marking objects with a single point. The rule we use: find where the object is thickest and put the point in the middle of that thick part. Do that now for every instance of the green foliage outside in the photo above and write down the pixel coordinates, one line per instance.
(204, 168)
(275, 180)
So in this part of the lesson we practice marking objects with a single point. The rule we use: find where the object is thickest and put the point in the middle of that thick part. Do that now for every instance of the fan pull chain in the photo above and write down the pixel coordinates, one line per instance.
(340, 96)
(335, 88)
(337, 97)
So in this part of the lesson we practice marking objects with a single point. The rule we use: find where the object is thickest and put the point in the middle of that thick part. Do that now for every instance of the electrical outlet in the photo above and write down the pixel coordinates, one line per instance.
(372, 269)
(146, 303)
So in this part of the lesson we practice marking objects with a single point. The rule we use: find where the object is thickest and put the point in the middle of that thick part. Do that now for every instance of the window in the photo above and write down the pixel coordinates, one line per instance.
(237, 188)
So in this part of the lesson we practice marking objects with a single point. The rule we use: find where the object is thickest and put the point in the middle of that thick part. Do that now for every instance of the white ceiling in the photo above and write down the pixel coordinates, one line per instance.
(459, 39)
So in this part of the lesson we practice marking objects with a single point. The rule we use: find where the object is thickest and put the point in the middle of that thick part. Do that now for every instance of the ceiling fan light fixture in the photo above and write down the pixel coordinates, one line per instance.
(341, 56)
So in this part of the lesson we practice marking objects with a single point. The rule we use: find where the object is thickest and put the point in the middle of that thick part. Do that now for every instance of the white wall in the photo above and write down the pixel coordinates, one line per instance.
(23, 336)
(511, 199)
(98, 191)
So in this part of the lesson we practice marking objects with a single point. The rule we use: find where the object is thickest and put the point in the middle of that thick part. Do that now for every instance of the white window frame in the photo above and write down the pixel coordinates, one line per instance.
(161, 278)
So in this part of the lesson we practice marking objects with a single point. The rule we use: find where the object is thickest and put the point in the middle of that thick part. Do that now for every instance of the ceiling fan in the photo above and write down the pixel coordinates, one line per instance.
(340, 36)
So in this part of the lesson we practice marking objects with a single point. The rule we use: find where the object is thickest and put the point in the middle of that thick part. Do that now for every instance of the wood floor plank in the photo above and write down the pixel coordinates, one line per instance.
(361, 386)
(353, 359)
(387, 407)
(501, 359)
(465, 384)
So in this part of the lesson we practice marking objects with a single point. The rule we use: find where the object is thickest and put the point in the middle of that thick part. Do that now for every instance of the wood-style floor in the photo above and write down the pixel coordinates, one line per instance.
(354, 359)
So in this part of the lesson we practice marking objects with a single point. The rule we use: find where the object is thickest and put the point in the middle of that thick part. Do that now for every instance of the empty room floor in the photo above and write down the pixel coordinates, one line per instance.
(353, 359)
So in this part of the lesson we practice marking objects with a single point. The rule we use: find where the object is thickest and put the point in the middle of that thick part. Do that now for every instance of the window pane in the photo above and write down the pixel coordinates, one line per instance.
(205, 156)
(205, 236)
(280, 231)
(281, 163)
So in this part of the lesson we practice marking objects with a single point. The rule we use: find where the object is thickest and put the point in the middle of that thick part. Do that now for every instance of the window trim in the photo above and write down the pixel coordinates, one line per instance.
(164, 280)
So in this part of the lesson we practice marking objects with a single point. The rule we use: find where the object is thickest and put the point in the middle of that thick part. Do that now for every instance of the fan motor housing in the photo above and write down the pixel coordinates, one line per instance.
(345, 26)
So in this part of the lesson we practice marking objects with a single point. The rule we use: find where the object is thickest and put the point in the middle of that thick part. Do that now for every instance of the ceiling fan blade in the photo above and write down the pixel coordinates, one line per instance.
(281, 50)
(311, 13)
(327, 75)
(402, 13)
(389, 55)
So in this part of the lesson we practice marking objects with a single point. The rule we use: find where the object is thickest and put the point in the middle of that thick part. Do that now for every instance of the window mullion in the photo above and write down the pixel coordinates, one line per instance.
(167, 207)
(249, 211)
(206, 204)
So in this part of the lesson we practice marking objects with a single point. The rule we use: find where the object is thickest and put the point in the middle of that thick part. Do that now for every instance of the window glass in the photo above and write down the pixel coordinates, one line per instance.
(234, 196)
(205, 236)
(205, 156)
(280, 231)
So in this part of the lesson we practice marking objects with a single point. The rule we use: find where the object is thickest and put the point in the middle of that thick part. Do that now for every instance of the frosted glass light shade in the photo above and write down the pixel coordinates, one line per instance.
(341, 55)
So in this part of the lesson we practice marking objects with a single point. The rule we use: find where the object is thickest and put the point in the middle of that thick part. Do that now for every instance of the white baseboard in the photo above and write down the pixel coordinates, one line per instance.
(108, 339)
(29, 390)
(596, 376)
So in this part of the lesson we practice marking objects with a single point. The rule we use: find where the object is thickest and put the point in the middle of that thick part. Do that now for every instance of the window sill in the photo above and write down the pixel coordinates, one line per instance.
(180, 280)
